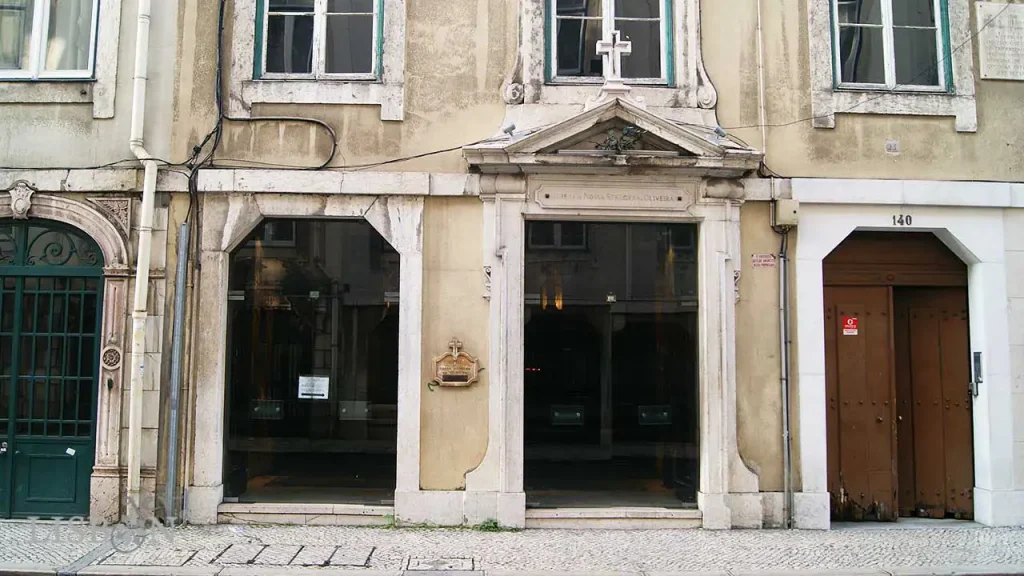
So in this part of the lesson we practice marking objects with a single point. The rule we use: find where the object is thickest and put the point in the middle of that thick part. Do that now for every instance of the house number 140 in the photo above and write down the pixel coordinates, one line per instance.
(902, 220)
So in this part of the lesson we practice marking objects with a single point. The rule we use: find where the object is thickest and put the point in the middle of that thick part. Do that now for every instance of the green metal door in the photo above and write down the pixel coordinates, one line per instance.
(51, 279)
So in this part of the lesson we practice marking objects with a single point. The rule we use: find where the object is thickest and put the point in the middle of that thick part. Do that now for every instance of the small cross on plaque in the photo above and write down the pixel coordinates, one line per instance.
(455, 345)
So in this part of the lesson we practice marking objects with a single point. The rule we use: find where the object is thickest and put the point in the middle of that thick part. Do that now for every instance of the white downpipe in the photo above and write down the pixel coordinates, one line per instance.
(138, 358)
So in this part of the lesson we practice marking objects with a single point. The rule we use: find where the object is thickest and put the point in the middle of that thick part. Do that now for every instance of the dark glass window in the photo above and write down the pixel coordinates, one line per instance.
(345, 44)
(610, 366)
(313, 364)
(889, 42)
(579, 26)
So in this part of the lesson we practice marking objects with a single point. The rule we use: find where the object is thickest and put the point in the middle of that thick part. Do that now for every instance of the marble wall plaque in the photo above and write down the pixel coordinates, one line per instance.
(1001, 42)
(615, 196)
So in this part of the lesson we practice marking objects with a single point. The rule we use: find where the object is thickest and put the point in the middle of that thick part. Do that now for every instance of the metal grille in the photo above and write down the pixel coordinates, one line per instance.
(50, 281)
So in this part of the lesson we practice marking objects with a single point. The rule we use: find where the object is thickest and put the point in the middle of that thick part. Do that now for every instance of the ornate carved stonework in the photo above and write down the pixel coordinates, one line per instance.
(21, 199)
(514, 93)
(111, 358)
(119, 210)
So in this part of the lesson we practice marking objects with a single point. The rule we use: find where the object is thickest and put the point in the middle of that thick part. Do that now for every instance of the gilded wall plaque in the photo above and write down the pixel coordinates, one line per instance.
(455, 368)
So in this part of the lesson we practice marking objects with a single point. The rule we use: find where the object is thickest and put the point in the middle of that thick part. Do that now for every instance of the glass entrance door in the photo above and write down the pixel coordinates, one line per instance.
(50, 307)
(313, 373)
(610, 368)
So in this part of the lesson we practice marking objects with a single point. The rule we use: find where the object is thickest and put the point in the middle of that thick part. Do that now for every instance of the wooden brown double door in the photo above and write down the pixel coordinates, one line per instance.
(897, 377)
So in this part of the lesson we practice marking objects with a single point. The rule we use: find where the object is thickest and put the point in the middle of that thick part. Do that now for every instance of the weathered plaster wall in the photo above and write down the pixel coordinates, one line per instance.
(758, 385)
(457, 55)
(454, 421)
(930, 148)
(67, 135)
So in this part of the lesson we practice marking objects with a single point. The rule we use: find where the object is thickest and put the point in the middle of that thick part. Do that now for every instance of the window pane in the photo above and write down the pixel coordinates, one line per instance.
(290, 44)
(574, 234)
(916, 57)
(645, 59)
(638, 8)
(541, 233)
(291, 5)
(69, 37)
(913, 13)
(579, 8)
(577, 47)
(861, 54)
(350, 6)
(15, 34)
(349, 44)
(859, 11)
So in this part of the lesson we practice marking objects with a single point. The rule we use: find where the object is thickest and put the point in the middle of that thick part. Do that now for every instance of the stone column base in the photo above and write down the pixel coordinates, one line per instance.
(105, 496)
(201, 503)
(999, 507)
(811, 511)
(458, 508)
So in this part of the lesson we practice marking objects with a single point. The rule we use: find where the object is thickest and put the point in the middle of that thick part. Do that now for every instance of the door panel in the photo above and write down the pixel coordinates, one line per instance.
(904, 409)
(936, 437)
(50, 311)
(859, 380)
(926, 390)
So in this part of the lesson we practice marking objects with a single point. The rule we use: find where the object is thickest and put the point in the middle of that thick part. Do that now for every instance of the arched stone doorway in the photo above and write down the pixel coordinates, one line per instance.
(103, 273)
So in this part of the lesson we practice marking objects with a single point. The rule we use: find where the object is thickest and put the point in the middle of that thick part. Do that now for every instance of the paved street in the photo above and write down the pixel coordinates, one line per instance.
(944, 548)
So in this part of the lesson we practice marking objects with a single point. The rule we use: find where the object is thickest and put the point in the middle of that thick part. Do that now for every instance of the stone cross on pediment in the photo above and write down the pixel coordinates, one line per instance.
(612, 50)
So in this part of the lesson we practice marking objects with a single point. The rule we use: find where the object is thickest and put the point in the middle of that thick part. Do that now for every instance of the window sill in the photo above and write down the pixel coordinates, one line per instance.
(848, 100)
(19, 91)
(389, 96)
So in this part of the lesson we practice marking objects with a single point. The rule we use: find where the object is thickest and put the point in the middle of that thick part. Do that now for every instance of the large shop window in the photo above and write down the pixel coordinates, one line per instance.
(313, 371)
(610, 374)
(310, 39)
(47, 39)
(889, 44)
(578, 25)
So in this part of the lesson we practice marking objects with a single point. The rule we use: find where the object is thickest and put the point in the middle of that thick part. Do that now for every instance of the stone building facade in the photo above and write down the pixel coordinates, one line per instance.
(426, 239)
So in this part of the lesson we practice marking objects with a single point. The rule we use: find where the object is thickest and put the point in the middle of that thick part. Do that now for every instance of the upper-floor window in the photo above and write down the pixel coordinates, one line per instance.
(311, 39)
(576, 26)
(890, 44)
(44, 39)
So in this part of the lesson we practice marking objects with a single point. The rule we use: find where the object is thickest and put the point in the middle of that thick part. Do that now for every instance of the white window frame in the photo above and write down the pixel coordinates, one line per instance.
(320, 46)
(889, 51)
(37, 45)
(607, 27)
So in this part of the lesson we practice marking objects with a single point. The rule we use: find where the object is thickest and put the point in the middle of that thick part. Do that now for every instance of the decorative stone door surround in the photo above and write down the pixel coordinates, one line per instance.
(971, 224)
(227, 219)
(728, 494)
(110, 233)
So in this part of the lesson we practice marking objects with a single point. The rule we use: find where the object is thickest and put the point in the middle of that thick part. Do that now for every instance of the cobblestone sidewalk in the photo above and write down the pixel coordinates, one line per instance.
(229, 550)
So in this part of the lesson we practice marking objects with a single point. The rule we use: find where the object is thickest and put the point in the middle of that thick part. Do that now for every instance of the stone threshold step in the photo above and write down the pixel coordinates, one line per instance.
(311, 514)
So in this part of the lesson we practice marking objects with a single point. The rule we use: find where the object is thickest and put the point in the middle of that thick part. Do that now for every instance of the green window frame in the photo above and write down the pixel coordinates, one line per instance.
(885, 25)
(320, 15)
(667, 77)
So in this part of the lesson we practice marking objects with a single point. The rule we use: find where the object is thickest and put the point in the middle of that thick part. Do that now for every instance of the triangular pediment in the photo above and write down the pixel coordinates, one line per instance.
(614, 136)
(593, 127)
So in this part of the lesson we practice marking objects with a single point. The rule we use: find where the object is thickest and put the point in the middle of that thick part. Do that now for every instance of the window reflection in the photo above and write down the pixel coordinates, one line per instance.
(313, 370)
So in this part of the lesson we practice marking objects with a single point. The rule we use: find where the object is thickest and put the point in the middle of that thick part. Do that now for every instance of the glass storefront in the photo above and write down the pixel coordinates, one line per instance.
(610, 374)
(313, 364)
